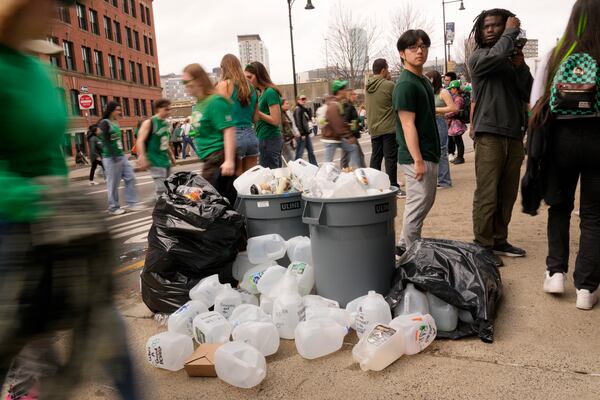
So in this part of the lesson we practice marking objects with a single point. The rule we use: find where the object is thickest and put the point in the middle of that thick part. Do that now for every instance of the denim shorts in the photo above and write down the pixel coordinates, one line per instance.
(246, 142)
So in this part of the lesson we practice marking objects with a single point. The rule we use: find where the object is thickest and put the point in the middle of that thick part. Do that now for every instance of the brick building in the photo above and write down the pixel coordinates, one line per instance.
(110, 53)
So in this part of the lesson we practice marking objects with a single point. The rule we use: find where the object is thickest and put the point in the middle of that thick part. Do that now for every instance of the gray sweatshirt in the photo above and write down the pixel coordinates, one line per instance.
(501, 90)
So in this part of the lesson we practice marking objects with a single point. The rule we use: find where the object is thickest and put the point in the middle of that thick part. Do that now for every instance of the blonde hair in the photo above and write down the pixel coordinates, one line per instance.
(231, 69)
(198, 73)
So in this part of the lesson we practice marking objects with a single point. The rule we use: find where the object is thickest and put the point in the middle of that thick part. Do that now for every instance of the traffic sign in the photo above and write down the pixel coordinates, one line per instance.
(86, 102)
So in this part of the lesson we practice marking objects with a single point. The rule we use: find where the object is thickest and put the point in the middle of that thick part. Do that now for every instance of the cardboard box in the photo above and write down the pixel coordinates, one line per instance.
(202, 362)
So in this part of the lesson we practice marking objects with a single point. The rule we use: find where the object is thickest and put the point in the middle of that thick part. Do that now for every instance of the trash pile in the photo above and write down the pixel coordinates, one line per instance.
(327, 181)
(234, 339)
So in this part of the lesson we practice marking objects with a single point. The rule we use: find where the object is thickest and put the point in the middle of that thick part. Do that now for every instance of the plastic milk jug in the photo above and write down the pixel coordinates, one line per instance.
(372, 310)
(270, 280)
(241, 265)
(339, 315)
(319, 337)
(169, 350)
(227, 299)
(380, 346)
(288, 309)
(262, 249)
(206, 290)
(313, 300)
(305, 274)
(298, 249)
(413, 301)
(247, 313)
(240, 365)
(211, 327)
(262, 335)
(181, 320)
(445, 315)
(419, 331)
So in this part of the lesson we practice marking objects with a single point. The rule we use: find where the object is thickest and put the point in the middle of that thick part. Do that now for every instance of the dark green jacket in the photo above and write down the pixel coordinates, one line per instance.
(380, 113)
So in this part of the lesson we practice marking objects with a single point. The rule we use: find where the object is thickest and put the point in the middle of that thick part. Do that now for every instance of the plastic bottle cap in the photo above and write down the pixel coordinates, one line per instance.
(372, 292)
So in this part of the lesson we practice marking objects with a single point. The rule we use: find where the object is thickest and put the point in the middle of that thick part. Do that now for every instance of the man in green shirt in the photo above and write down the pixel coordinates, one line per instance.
(416, 133)
(153, 146)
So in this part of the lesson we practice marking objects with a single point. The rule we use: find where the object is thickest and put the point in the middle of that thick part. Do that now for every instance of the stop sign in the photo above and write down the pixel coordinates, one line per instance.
(86, 102)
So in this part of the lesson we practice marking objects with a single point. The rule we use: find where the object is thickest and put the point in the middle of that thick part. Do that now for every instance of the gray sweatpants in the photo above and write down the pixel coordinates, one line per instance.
(420, 196)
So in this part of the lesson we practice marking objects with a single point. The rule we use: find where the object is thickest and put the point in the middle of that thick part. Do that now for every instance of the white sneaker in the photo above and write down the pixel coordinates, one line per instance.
(118, 211)
(586, 299)
(451, 157)
(136, 207)
(92, 183)
(555, 283)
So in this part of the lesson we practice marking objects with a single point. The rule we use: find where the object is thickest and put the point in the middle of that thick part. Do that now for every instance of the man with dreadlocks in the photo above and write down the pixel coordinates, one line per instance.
(502, 85)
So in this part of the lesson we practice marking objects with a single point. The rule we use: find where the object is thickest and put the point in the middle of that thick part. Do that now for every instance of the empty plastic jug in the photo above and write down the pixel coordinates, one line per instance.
(211, 327)
(339, 315)
(313, 300)
(372, 310)
(466, 316)
(248, 298)
(252, 276)
(348, 186)
(254, 176)
(445, 315)
(319, 337)
(305, 274)
(262, 335)
(248, 313)
(227, 299)
(270, 281)
(181, 320)
(373, 179)
(241, 265)
(419, 331)
(206, 290)
(266, 304)
(288, 308)
(262, 249)
(169, 350)
(298, 249)
(240, 365)
(380, 346)
(352, 308)
(413, 302)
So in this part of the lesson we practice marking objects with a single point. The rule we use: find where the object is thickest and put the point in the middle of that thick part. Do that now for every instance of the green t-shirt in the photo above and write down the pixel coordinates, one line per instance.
(243, 116)
(114, 148)
(415, 94)
(34, 123)
(264, 130)
(158, 144)
(209, 118)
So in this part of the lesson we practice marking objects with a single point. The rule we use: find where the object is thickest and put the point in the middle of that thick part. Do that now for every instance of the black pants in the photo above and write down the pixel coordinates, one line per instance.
(573, 155)
(95, 163)
(456, 143)
(385, 146)
(176, 148)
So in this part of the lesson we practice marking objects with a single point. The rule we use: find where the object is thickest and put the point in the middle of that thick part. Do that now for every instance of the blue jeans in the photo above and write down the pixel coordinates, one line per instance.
(301, 143)
(117, 168)
(351, 149)
(246, 142)
(270, 152)
(444, 166)
(188, 141)
(159, 175)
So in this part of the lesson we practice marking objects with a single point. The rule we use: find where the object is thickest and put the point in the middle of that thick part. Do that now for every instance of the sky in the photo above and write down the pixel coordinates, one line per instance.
(203, 31)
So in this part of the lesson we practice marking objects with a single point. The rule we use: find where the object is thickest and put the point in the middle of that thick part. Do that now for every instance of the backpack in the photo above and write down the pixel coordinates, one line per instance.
(464, 115)
(574, 92)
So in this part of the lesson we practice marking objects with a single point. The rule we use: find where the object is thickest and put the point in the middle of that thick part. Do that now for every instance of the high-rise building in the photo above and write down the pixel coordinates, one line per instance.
(359, 46)
(252, 48)
(173, 87)
(110, 54)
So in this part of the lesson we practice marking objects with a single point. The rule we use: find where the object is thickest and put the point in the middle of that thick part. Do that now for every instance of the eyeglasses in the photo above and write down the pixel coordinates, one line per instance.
(416, 47)
(303, 98)
(185, 83)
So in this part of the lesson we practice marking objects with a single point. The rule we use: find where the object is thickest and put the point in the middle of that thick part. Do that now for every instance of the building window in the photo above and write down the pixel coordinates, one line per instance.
(125, 106)
(69, 55)
(121, 65)
(148, 16)
(81, 16)
(149, 73)
(126, 6)
(117, 99)
(128, 37)
(142, 13)
(95, 28)
(132, 74)
(136, 37)
(108, 28)
(115, 3)
(144, 109)
(132, 7)
(118, 37)
(152, 107)
(86, 59)
(75, 111)
(112, 67)
(99, 63)
(94, 111)
(136, 107)
(154, 80)
(103, 103)
(146, 44)
(64, 14)
(54, 59)
(140, 73)
(151, 45)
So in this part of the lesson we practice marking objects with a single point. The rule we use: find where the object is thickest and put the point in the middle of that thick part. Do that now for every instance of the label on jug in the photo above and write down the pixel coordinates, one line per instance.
(254, 278)
(380, 334)
(200, 337)
(182, 309)
(425, 335)
(155, 356)
(298, 268)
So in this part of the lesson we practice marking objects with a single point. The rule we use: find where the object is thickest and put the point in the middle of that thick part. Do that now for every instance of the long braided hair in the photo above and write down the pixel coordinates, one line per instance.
(477, 31)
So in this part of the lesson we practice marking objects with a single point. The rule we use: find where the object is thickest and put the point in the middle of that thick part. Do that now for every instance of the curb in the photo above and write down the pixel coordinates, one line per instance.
(86, 177)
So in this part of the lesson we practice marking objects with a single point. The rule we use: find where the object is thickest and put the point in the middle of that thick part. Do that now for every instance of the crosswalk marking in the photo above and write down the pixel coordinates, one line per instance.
(143, 228)
(142, 238)
(120, 187)
(125, 228)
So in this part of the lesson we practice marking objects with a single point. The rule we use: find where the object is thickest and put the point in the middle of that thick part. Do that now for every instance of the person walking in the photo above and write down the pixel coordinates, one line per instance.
(176, 139)
(570, 144)
(153, 146)
(95, 146)
(351, 118)
(187, 134)
(116, 165)
(336, 132)
(449, 77)
(303, 121)
(416, 131)
(443, 105)
(289, 131)
(381, 121)
(502, 86)
(235, 87)
(215, 131)
(268, 127)
(456, 127)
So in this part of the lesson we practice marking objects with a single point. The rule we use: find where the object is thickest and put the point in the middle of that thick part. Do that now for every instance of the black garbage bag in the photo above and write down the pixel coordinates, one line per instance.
(462, 274)
(189, 240)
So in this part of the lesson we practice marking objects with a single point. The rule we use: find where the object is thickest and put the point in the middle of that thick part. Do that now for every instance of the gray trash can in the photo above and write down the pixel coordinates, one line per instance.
(278, 213)
(353, 244)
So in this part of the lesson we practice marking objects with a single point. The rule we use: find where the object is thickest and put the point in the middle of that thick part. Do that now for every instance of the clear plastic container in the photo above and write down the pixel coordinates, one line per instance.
(254, 176)
(413, 302)
(373, 179)
(339, 315)
(270, 281)
(265, 248)
(227, 300)
(419, 331)
(319, 337)
(211, 327)
(313, 300)
(348, 186)
(248, 313)
(169, 350)
(288, 309)
(379, 347)
(181, 320)
(206, 290)
(248, 298)
(240, 365)
(305, 274)
(445, 315)
(262, 335)
(352, 308)
(298, 249)
(266, 304)
(372, 310)
(241, 265)
(252, 276)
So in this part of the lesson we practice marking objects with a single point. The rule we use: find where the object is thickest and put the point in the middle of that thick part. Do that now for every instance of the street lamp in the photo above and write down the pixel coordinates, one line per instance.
(309, 6)
(461, 8)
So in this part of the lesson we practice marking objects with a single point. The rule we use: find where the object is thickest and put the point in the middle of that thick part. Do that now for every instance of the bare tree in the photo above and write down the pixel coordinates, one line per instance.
(352, 42)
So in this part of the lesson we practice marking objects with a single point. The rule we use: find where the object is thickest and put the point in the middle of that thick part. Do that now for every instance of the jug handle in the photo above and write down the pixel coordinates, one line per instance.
(312, 220)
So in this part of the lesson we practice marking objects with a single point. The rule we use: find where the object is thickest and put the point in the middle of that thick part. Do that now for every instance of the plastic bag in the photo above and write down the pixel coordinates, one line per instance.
(462, 274)
(189, 240)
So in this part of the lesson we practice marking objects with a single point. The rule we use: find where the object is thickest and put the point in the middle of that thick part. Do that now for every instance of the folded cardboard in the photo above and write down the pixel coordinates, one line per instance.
(202, 362)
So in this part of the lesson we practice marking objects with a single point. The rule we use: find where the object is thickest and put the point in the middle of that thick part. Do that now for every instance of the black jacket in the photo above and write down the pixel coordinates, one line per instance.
(302, 116)
(351, 118)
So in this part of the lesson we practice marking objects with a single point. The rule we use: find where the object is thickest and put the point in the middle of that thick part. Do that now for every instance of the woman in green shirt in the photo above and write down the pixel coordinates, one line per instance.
(215, 131)
(268, 127)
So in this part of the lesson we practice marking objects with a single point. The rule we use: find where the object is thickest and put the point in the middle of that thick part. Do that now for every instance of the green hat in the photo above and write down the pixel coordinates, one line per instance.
(468, 88)
(454, 84)
(336, 86)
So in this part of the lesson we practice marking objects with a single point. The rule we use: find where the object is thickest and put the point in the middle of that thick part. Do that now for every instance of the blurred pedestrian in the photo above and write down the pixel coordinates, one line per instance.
(289, 131)
(456, 127)
(303, 121)
(351, 118)
(95, 147)
(187, 135)
(176, 139)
